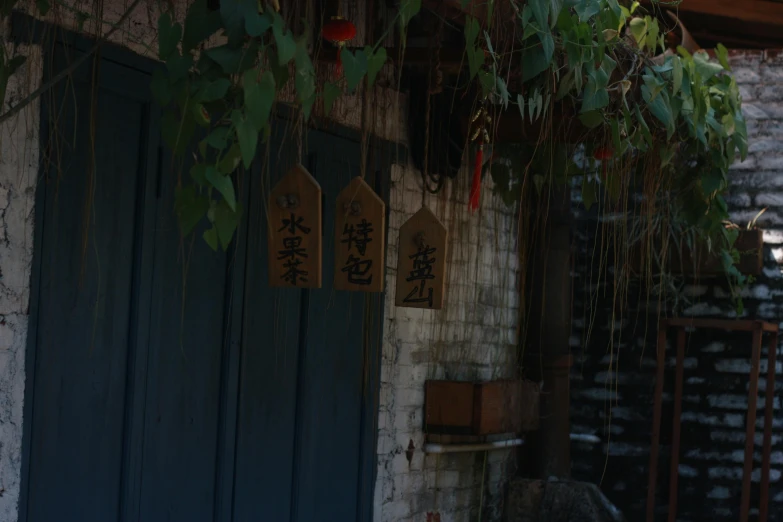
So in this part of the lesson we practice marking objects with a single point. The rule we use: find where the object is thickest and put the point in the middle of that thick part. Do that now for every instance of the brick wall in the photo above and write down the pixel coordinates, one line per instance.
(473, 337)
(612, 382)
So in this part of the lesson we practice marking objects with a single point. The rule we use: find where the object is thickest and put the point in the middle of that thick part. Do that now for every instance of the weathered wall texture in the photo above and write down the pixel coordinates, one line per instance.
(18, 171)
(613, 384)
(473, 337)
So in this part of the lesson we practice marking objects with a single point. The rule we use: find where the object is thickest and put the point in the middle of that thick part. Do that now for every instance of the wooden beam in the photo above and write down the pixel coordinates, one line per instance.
(753, 11)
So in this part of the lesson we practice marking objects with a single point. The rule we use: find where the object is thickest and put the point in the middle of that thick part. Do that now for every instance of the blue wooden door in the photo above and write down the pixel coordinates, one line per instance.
(167, 382)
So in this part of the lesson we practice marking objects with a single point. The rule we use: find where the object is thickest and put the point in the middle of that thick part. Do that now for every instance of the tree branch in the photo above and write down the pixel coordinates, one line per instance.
(16, 109)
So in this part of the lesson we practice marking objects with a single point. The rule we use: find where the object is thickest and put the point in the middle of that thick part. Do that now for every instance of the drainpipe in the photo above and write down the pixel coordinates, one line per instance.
(546, 352)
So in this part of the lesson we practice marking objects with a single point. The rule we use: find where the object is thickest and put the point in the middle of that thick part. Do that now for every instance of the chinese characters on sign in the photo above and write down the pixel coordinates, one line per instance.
(293, 253)
(360, 241)
(295, 239)
(421, 262)
(357, 268)
(421, 273)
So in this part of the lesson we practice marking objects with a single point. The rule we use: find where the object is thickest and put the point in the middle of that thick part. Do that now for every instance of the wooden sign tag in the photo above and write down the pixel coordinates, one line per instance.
(421, 264)
(295, 231)
(359, 238)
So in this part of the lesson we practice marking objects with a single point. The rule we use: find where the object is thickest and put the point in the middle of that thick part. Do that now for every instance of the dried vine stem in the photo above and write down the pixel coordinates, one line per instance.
(16, 109)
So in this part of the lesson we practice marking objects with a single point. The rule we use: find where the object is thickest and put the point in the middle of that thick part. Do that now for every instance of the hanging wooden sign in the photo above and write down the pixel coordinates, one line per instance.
(359, 238)
(421, 264)
(295, 231)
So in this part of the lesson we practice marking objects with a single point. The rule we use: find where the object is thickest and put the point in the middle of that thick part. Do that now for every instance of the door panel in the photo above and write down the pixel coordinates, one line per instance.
(268, 369)
(168, 382)
(328, 438)
(84, 301)
(185, 356)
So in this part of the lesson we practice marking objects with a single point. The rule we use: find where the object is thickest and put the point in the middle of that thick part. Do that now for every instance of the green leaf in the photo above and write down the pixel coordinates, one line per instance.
(652, 35)
(178, 66)
(565, 86)
(190, 208)
(487, 82)
(233, 13)
(591, 119)
(540, 10)
(586, 9)
(521, 105)
(279, 71)
(200, 24)
(712, 181)
(534, 62)
(43, 6)
(475, 60)
(472, 29)
(159, 84)
(223, 184)
(502, 91)
(374, 63)
(215, 90)
(168, 36)
(555, 8)
(211, 237)
(643, 125)
(595, 95)
(728, 124)
(723, 56)
(217, 138)
(230, 161)
(257, 24)
(704, 67)
(676, 74)
(259, 96)
(354, 66)
(198, 174)
(408, 9)
(659, 106)
(226, 221)
(331, 92)
(638, 27)
(286, 46)
(247, 136)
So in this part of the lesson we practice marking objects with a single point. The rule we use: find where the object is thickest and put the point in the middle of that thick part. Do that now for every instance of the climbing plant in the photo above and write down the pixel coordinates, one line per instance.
(643, 112)
(221, 97)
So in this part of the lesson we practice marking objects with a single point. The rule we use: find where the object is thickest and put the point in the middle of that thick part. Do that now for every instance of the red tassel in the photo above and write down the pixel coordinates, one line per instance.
(339, 68)
(475, 189)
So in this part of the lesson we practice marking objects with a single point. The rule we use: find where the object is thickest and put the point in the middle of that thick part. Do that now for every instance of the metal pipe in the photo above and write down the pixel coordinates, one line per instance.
(481, 446)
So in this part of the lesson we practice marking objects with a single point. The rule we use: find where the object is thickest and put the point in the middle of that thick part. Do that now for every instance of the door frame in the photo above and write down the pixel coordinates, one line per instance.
(382, 153)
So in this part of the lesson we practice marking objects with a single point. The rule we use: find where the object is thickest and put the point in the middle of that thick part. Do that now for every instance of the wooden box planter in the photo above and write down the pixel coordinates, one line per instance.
(479, 409)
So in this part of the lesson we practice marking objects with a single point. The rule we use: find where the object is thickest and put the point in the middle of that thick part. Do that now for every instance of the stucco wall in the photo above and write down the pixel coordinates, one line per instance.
(612, 384)
(473, 337)
(18, 171)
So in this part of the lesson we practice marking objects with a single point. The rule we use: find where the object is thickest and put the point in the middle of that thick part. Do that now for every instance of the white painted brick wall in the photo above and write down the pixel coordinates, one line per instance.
(473, 337)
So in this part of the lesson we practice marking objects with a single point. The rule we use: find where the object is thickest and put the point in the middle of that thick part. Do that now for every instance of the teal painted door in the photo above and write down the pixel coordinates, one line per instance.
(167, 382)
